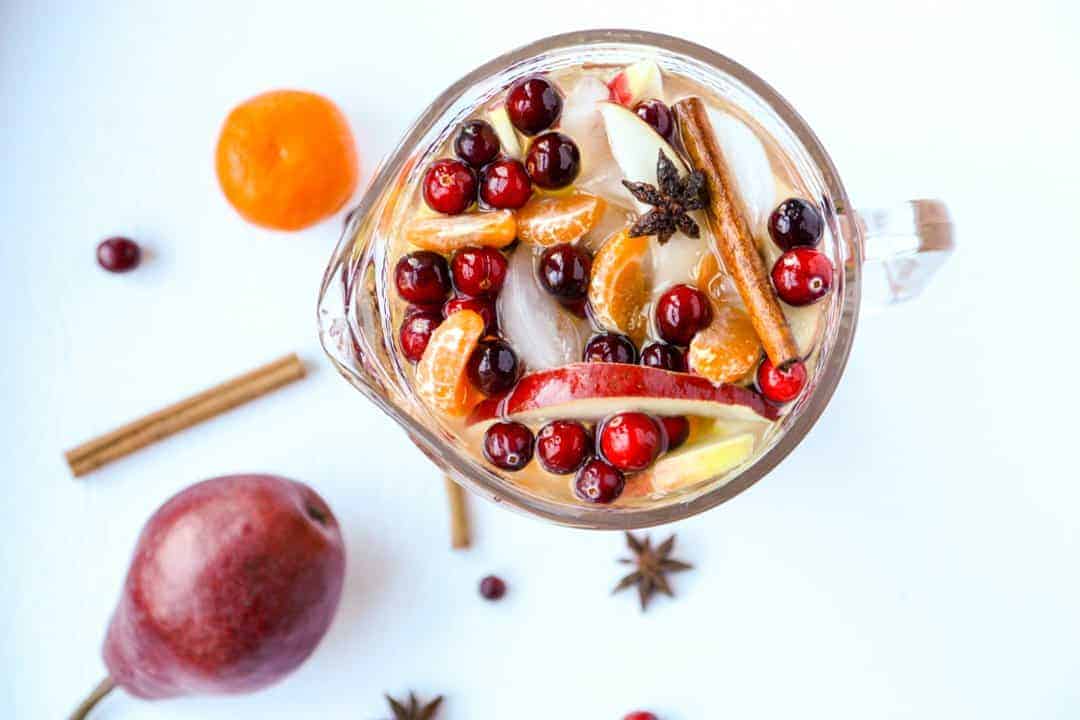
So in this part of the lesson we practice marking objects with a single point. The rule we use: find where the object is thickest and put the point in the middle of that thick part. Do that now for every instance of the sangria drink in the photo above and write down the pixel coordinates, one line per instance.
(610, 284)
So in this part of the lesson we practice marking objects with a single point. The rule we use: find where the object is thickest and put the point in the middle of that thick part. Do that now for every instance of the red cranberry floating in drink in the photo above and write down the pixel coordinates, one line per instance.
(631, 441)
(680, 313)
(663, 356)
(118, 254)
(476, 143)
(610, 347)
(478, 272)
(677, 429)
(492, 588)
(796, 223)
(508, 445)
(599, 482)
(449, 187)
(802, 276)
(422, 277)
(562, 446)
(493, 367)
(564, 272)
(781, 386)
(416, 332)
(505, 185)
(534, 105)
(553, 161)
(659, 116)
(482, 306)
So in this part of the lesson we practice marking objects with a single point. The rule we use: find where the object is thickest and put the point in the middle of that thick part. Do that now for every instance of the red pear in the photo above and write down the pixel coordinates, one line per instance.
(233, 583)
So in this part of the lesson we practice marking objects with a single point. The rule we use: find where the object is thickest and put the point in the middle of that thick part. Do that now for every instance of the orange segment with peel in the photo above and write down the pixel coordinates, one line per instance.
(286, 159)
(554, 219)
(446, 233)
(728, 349)
(441, 381)
(619, 285)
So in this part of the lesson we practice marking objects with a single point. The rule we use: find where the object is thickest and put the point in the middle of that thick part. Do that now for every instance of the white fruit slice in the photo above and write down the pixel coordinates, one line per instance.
(592, 391)
(637, 82)
(695, 464)
(807, 325)
(543, 334)
(749, 163)
(636, 146)
(500, 120)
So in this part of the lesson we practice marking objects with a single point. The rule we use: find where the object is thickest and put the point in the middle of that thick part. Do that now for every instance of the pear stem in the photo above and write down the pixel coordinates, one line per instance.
(103, 688)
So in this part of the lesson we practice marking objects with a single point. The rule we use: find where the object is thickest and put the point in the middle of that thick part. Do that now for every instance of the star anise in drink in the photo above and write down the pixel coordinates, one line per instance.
(653, 565)
(414, 710)
(673, 199)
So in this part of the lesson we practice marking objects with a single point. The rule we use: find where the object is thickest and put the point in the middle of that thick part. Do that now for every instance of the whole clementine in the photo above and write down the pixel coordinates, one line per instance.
(286, 159)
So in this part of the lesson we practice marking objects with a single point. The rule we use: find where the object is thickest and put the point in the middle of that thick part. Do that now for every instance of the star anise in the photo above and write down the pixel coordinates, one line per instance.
(414, 711)
(672, 198)
(652, 568)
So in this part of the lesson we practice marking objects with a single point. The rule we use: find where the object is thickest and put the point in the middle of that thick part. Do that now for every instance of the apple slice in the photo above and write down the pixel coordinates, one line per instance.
(500, 120)
(695, 464)
(636, 146)
(749, 163)
(807, 325)
(635, 83)
(592, 391)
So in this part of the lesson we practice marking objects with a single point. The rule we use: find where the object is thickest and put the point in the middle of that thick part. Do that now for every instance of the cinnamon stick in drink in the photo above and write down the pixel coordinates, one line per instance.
(732, 232)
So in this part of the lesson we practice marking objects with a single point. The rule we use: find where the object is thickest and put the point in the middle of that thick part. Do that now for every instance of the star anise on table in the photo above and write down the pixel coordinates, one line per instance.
(653, 564)
(414, 711)
(672, 198)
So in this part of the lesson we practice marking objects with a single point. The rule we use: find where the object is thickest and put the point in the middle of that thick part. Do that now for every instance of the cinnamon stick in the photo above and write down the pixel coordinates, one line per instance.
(459, 517)
(732, 232)
(170, 420)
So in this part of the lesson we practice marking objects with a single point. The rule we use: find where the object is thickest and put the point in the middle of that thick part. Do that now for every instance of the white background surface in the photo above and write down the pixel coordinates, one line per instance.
(916, 557)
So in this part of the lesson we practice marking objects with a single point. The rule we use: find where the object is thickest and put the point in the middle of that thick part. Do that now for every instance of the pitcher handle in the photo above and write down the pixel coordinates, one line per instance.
(906, 244)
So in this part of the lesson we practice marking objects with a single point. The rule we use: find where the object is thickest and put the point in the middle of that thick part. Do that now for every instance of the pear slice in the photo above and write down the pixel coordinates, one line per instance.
(500, 121)
(697, 463)
(636, 146)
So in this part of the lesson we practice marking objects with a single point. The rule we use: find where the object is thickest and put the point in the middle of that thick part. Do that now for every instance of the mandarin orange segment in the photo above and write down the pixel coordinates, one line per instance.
(554, 219)
(619, 285)
(440, 380)
(286, 159)
(728, 349)
(446, 233)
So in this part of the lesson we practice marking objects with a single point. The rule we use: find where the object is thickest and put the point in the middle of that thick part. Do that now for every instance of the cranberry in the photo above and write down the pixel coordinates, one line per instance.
(802, 276)
(118, 254)
(553, 161)
(449, 187)
(436, 308)
(610, 347)
(578, 307)
(505, 184)
(640, 715)
(659, 116)
(598, 482)
(680, 313)
(780, 386)
(796, 223)
(508, 445)
(564, 272)
(663, 356)
(478, 272)
(493, 367)
(562, 446)
(492, 587)
(533, 105)
(477, 143)
(416, 332)
(631, 441)
(484, 307)
(422, 277)
(677, 429)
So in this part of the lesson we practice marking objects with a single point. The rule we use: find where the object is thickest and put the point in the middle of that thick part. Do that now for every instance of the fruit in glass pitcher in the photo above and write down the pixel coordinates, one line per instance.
(728, 349)
(681, 312)
(658, 116)
(493, 367)
(619, 285)
(562, 446)
(635, 83)
(232, 584)
(698, 462)
(505, 184)
(552, 220)
(610, 348)
(441, 378)
(796, 223)
(663, 356)
(422, 277)
(449, 187)
(416, 332)
(477, 143)
(802, 276)
(553, 161)
(599, 482)
(482, 306)
(478, 272)
(533, 105)
(631, 441)
(445, 234)
(781, 385)
(508, 445)
(564, 272)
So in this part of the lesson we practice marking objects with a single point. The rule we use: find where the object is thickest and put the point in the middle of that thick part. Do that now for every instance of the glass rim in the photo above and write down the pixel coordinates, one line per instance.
(600, 517)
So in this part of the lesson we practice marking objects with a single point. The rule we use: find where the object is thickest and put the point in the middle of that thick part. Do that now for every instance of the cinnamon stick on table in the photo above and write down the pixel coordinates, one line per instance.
(165, 422)
(732, 232)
